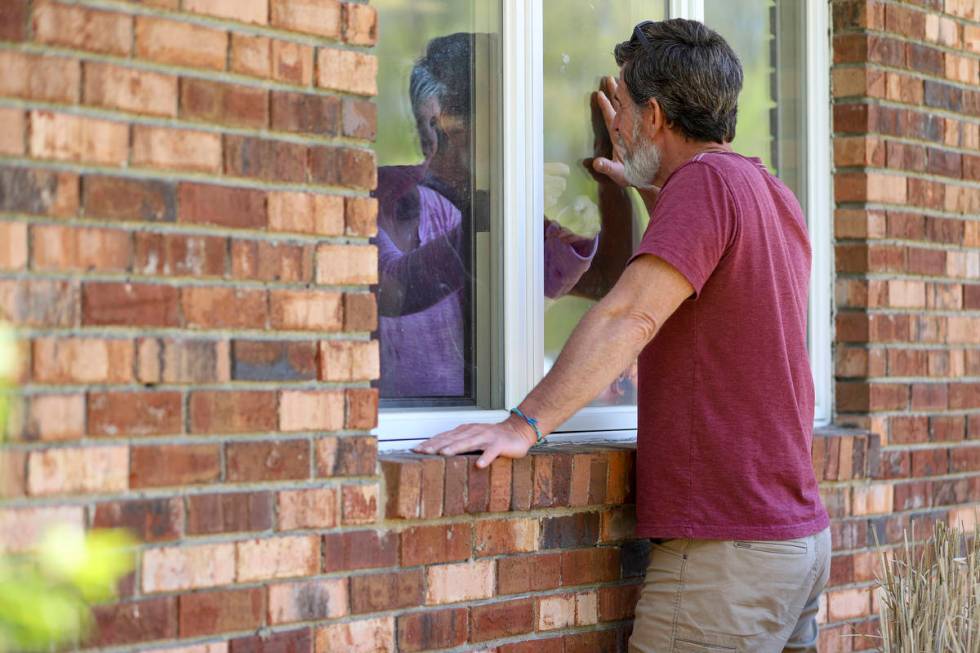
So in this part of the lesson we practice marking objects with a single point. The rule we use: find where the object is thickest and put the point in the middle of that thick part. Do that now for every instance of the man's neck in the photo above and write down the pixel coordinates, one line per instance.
(682, 152)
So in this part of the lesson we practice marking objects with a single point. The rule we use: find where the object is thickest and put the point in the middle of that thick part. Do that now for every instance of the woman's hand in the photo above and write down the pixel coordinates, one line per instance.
(511, 439)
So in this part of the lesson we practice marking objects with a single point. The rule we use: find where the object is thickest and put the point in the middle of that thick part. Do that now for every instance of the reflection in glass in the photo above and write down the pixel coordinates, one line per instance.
(578, 44)
(438, 196)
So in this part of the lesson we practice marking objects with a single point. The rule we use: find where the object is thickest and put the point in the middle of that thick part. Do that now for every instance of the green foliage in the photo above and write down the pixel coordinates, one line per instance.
(45, 594)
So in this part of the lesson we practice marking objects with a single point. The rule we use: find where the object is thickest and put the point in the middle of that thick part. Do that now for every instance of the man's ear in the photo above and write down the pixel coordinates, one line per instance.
(656, 119)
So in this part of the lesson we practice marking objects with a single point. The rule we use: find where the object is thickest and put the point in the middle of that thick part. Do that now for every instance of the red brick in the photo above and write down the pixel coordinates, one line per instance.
(561, 480)
(82, 360)
(434, 629)
(126, 89)
(13, 20)
(267, 461)
(77, 470)
(129, 304)
(308, 601)
(306, 310)
(266, 159)
(132, 622)
(118, 198)
(179, 255)
(349, 360)
(223, 206)
(422, 545)
(352, 456)
(504, 619)
(66, 137)
(306, 113)
(178, 149)
(223, 308)
(226, 104)
(500, 482)
(174, 465)
(465, 581)
(946, 428)
(360, 504)
(250, 55)
(494, 537)
(433, 484)
(517, 575)
(454, 492)
(187, 567)
(617, 603)
(208, 613)
(586, 566)
(349, 550)
(362, 216)
(363, 636)
(292, 62)
(311, 410)
(306, 213)
(238, 512)
(318, 17)
(347, 70)
(288, 640)
(964, 396)
(360, 312)
(233, 411)
(120, 414)
(267, 261)
(314, 508)
(542, 496)
(180, 44)
(40, 302)
(12, 138)
(359, 119)
(477, 487)
(36, 77)
(403, 477)
(80, 249)
(270, 360)
(23, 528)
(277, 557)
(246, 11)
(79, 28)
(53, 417)
(522, 484)
(152, 520)
(338, 166)
(385, 591)
(183, 361)
(362, 408)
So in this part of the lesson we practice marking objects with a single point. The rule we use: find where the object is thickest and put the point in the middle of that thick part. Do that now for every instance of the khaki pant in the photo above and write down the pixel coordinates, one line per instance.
(721, 596)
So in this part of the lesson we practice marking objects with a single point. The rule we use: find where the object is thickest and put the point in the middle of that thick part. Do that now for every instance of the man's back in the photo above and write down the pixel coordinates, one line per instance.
(726, 392)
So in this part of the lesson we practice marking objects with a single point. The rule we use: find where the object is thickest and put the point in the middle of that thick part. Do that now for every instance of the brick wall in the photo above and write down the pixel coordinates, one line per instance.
(906, 89)
(184, 225)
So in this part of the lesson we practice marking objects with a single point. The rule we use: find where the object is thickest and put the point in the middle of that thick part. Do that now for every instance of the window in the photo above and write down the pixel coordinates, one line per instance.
(484, 121)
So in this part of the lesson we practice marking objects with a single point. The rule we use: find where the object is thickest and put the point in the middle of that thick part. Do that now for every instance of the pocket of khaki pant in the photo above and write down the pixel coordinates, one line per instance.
(689, 646)
(783, 547)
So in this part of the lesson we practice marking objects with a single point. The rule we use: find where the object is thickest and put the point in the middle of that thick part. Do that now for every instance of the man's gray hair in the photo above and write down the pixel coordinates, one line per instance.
(690, 70)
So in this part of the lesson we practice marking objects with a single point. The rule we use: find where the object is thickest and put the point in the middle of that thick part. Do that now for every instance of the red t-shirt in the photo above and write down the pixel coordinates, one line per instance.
(725, 415)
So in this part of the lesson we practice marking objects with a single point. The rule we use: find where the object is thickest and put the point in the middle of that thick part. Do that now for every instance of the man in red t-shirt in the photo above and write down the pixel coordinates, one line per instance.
(714, 303)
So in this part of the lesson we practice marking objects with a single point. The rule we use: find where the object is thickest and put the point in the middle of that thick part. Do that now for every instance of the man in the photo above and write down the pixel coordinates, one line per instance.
(714, 301)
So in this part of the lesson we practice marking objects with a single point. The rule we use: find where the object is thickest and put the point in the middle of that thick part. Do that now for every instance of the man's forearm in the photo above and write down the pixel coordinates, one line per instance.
(604, 343)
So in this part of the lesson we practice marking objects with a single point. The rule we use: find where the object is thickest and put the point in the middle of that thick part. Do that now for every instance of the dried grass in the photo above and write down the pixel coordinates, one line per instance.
(930, 593)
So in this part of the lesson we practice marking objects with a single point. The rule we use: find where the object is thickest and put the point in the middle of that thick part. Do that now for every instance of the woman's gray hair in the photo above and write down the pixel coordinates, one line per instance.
(423, 85)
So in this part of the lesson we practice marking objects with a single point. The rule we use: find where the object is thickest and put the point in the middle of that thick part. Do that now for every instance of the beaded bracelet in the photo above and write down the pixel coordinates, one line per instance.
(531, 421)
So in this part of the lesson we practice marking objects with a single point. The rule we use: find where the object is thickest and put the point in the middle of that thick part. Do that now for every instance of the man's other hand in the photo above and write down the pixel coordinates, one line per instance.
(613, 167)
(511, 439)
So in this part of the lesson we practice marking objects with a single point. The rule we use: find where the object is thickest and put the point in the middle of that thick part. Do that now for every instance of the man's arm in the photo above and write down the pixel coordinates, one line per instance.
(605, 342)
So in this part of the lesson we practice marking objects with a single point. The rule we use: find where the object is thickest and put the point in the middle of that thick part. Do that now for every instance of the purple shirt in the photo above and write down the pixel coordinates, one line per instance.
(421, 326)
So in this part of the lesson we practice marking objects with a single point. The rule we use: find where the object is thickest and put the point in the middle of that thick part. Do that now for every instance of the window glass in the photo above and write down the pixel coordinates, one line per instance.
(601, 223)
(769, 38)
(438, 191)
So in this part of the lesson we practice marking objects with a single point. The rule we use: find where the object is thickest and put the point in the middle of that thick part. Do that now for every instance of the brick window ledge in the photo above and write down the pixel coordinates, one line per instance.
(579, 475)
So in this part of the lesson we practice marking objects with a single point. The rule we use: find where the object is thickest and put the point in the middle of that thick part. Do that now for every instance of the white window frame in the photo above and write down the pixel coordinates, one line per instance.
(523, 195)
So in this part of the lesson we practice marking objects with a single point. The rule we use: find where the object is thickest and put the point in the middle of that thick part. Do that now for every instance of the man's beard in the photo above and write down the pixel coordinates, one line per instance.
(642, 162)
